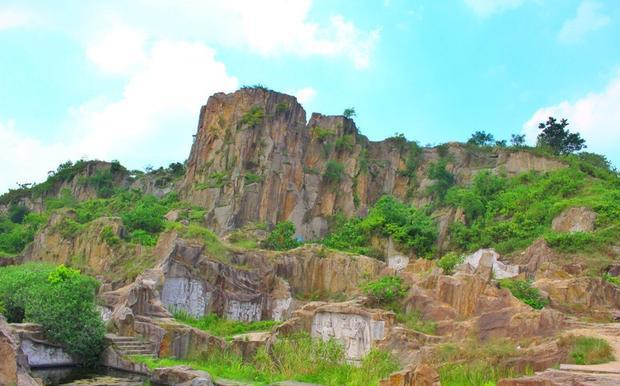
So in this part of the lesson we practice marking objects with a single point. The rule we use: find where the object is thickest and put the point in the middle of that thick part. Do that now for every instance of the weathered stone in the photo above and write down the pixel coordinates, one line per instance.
(578, 219)
(563, 378)
(486, 263)
(181, 375)
(287, 151)
(422, 375)
(358, 328)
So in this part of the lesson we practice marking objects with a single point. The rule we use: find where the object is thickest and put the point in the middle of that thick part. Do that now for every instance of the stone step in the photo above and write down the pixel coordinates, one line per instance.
(137, 352)
(132, 344)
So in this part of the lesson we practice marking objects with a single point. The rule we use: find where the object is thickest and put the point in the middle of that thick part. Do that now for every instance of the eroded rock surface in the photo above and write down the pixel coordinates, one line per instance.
(264, 133)
(579, 219)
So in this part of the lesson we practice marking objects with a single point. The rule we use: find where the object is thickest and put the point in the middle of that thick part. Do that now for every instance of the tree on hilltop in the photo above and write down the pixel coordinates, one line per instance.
(558, 139)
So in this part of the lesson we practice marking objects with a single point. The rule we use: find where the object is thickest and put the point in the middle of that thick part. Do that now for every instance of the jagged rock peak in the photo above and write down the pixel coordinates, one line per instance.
(255, 159)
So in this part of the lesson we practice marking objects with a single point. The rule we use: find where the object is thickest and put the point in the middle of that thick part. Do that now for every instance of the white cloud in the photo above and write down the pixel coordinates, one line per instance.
(595, 117)
(156, 112)
(305, 95)
(117, 51)
(13, 18)
(25, 158)
(485, 8)
(267, 27)
(588, 19)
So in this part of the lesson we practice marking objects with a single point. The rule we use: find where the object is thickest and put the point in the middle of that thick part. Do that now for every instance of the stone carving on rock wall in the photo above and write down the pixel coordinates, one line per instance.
(355, 332)
(245, 311)
(185, 294)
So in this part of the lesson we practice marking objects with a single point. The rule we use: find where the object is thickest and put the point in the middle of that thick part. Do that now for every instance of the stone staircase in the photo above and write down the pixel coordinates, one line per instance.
(129, 345)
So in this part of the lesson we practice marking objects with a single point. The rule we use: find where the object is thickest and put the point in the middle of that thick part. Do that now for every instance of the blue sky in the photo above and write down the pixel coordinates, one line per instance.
(125, 79)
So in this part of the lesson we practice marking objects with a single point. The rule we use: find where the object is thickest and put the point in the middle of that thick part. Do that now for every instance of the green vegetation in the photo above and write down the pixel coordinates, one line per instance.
(251, 178)
(443, 179)
(253, 117)
(14, 236)
(449, 261)
(411, 228)
(508, 214)
(414, 157)
(386, 289)
(61, 300)
(334, 171)
(481, 138)
(297, 357)
(615, 280)
(282, 107)
(321, 134)
(218, 326)
(475, 363)
(587, 350)
(282, 237)
(557, 138)
(523, 290)
(414, 321)
(349, 112)
(345, 143)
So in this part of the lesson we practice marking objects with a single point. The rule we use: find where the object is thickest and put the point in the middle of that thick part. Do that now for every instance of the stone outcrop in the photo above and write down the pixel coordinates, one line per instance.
(422, 375)
(579, 219)
(467, 303)
(356, 327)
(487, 263)
(181, 376)
(255, 159)
(14, 368)
(86, 248)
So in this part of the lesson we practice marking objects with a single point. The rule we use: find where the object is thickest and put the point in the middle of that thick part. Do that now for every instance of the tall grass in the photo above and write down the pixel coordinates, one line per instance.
(219, 326)
(298, 357)
(588, 350)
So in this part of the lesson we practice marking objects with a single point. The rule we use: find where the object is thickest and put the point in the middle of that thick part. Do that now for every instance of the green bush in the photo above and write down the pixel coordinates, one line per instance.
(148, 215)
(142, 237)
(615, 280)
(334, 172)
(282, 237)
(443, 179)
(253, 117)
(251, 178)
(523, 290)
(449, 261)
(411, 228)
(321, 134)
(345, 143)
(109, 237)
(61, 300)
(386, 289)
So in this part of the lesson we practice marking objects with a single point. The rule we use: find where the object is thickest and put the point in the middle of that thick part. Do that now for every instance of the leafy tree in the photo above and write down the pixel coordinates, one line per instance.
(17, 213)
(558, 139)
(349, 113)
(481, 138)
(517, 140)
(501, 143)
(282, 237)
(449, 261)
(61, 300)
(443, 178)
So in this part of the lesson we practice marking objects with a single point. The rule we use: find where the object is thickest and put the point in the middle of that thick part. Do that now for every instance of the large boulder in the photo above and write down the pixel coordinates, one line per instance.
(181, 376)
(422, 375)
(578, 219)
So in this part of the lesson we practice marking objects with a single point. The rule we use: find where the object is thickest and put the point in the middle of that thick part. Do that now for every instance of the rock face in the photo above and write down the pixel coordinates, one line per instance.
(255, 159)
(14, 368)
(356, 327)
(578, 219)
(422, 375)
(487, 261)
(86, 248)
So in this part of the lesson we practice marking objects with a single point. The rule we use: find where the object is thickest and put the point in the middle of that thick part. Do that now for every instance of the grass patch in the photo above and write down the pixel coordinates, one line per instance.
(587, 350)
(219, 326)
(298, 357)
(414, 321)
(523, 290)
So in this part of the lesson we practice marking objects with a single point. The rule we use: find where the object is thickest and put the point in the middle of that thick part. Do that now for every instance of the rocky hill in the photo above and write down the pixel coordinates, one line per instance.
(294, 249)
(256, 158)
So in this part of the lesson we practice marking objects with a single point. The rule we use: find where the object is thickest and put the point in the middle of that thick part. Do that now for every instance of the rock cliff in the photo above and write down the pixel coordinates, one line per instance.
(255, 158)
